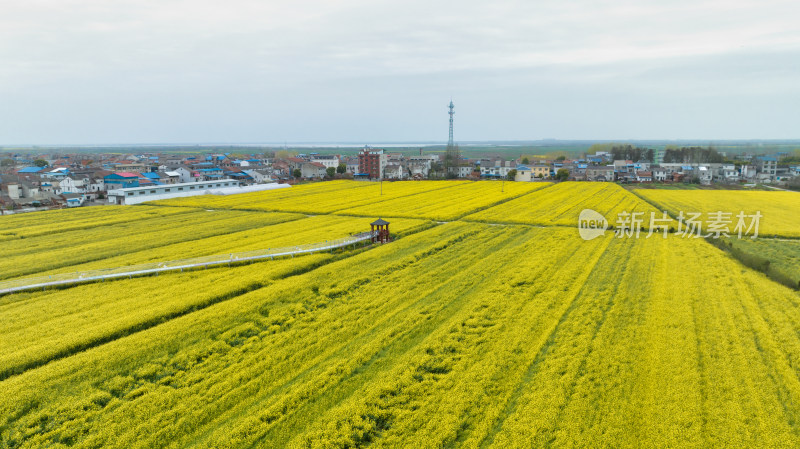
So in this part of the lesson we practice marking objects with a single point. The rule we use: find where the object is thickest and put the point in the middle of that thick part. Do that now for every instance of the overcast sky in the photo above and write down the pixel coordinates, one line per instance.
(164, 71)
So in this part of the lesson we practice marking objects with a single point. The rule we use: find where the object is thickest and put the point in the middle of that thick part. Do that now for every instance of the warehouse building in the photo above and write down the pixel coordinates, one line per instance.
(135, 195)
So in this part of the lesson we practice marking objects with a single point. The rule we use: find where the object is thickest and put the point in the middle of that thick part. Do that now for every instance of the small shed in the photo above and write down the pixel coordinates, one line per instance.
(380, 231)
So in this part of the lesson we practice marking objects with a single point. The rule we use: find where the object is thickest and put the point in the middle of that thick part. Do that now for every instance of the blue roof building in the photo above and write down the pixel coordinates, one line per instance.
(30, 170)
(121, 180)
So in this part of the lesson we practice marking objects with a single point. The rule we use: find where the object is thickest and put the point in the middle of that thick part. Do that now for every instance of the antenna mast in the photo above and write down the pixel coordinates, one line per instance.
(452, 112)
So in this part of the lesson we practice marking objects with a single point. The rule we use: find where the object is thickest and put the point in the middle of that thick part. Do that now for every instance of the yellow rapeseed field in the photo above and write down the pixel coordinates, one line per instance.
(60, 248)
(459, 334)
(448, 204)
(312, 199)
(780, 211)
(266, 230)
(562, 204)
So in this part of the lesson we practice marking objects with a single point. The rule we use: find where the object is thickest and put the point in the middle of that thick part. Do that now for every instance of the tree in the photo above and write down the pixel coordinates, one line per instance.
(791, 158)
(40, 163)
(297, 173)
(525, 160)
(562, 174)
(600, 148)
(691, 155)
(452, 158)
(561, 158)
(7, 163)
(330, 171)
(284, 154)
(512, 174)
(794, 183)
(436, 169)
(341, 169)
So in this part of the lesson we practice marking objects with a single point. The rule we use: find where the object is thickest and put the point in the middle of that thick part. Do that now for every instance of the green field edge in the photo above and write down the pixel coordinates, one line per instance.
(756, 263)
(749, 261)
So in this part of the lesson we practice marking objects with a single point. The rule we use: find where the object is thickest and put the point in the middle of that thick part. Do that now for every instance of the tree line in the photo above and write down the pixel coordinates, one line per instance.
(692, 155)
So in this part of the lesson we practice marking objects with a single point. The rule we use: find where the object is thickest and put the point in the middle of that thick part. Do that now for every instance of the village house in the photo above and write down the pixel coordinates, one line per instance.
(421, 164)
(208, 174)
(70, 185)
(661, 174)
(394, 171)
(121, 180)
(312, 170)
(325, 160)
(540, 171)
(599, 173)
(523, 174)
(260, 176)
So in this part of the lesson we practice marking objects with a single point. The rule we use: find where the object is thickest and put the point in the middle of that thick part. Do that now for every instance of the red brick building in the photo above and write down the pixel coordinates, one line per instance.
(371, 162)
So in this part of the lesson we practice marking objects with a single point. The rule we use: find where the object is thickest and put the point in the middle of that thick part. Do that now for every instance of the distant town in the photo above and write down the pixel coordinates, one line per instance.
(31, 181)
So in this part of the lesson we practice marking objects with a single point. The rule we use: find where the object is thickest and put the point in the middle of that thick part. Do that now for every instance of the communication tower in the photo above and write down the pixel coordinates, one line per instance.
(452, 112)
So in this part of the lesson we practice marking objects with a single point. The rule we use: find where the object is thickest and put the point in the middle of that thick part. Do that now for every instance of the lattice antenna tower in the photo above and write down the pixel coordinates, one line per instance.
(452, 112)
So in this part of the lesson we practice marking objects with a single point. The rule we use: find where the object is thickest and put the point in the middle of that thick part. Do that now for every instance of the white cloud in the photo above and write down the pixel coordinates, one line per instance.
(279, 52)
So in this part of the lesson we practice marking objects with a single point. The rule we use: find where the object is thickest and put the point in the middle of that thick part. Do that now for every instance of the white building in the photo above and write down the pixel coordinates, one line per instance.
(523, 174)
(259, 176)
(135, 195)
(327, 161)
(185, 174)
(394, 171)
(498, 170)
(421, 165)
(313, 170)
(464, 171)
(70, 185)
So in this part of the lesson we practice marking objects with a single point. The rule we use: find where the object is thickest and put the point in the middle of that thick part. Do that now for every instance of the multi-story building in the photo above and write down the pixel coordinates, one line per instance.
(372, 163)
(540, 171)
(661, 174)
(767, 168)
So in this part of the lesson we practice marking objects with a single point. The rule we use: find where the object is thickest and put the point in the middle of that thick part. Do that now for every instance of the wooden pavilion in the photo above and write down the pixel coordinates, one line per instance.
(380, 231)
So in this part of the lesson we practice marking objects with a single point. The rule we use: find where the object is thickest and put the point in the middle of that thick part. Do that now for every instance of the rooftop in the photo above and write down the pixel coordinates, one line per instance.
(183, 184)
